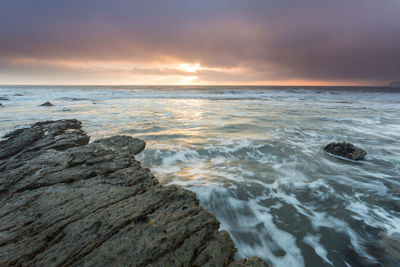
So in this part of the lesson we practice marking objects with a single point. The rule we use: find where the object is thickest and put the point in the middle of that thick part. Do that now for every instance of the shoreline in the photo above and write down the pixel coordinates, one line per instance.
(66, 202)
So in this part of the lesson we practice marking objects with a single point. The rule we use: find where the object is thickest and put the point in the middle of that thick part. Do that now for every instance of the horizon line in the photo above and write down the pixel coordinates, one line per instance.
(193, 85)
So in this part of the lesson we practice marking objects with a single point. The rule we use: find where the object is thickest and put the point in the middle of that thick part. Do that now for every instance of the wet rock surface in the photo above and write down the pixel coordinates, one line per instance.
(47, 104)
(391, 243)
(346, 150)
(66, 202)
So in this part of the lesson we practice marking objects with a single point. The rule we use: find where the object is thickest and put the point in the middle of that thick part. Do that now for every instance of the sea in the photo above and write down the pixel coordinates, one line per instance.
(254, 156)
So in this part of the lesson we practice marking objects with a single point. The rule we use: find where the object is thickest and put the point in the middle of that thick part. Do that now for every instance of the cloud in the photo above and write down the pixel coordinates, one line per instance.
(352, 40)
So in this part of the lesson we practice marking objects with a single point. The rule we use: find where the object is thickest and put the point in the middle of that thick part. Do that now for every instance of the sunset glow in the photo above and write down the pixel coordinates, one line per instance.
(190, 68)
(262, 43)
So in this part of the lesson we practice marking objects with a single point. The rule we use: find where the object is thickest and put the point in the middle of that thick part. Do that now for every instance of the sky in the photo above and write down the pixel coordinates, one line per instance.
(200, 42)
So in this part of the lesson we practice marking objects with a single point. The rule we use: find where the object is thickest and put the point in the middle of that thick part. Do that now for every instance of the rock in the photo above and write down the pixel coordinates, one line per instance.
(391, 244)
(66, 109)
(253, 261)
(18, 94)
(1, 105)
(57, 135)
(64, 201)
(4, 98)
(47, 104)
(346, 150)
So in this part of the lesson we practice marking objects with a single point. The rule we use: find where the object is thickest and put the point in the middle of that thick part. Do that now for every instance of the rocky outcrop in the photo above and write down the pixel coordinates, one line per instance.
(253, 261)
(47, 104)
(66, 202)
(346, 150)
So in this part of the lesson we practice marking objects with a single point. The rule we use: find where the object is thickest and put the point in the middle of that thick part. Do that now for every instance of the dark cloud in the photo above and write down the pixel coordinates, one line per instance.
(272, 40)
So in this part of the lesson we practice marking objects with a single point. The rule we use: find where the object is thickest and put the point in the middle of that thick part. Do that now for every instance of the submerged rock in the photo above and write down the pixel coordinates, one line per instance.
(4, 98)
(47, 104)
(391, 244)
(346, 150)
(66, 202)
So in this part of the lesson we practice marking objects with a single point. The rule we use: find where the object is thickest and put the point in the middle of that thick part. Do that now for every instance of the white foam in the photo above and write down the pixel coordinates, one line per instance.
(375, 216)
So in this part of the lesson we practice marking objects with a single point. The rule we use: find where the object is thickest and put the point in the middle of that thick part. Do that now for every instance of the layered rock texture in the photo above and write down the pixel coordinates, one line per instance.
(66, 202)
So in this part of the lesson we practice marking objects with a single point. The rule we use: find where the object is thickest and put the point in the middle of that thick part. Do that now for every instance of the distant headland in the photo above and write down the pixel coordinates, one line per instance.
(394, 84)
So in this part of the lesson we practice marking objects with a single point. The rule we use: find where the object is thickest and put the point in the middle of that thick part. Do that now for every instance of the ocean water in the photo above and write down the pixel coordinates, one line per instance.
(254, 157)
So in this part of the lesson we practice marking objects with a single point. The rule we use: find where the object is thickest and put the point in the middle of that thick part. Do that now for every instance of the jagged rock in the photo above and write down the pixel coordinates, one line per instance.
(4, 98)
(47, 104)
(253, 261)
(66, 202)
(346, 150)
(42, 136)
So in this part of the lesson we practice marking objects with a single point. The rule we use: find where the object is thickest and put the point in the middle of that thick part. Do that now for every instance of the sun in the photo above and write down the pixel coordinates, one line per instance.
(190, 67)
